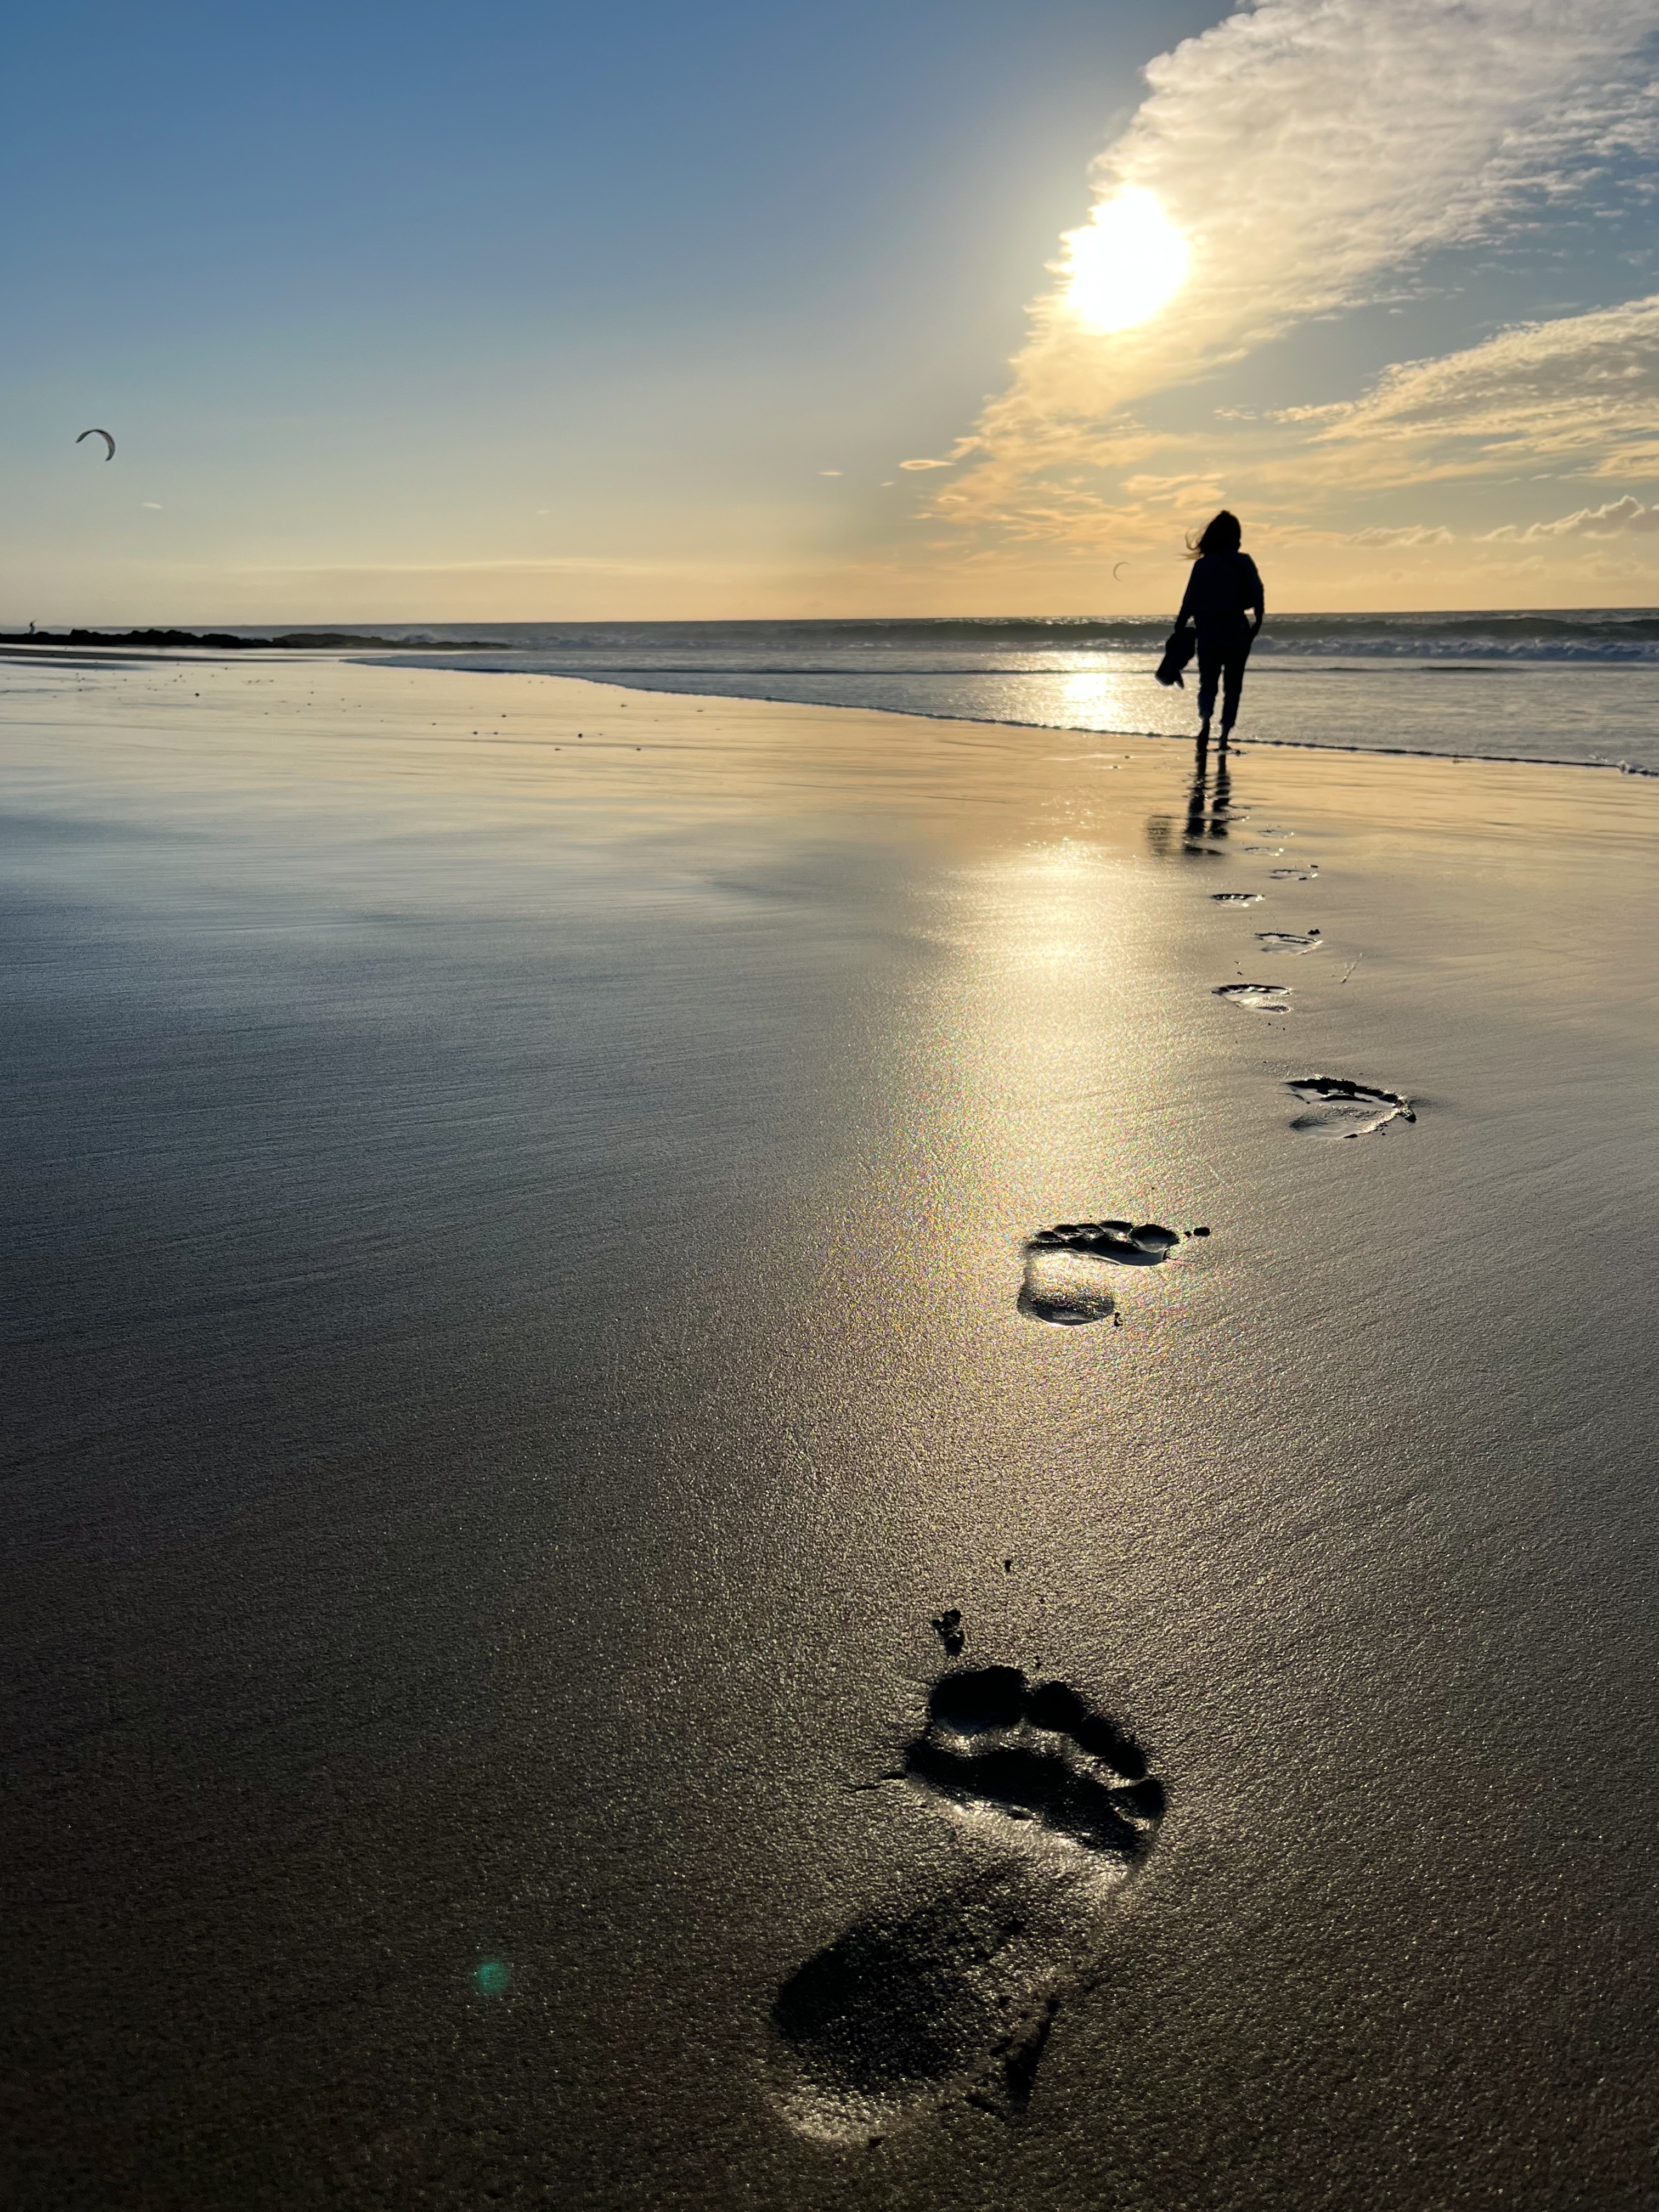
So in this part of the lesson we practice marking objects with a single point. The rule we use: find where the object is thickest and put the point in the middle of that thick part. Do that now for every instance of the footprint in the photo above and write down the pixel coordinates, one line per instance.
(1143, 1244)
(1236, 898)
(1294, 875)
(1264, 849)
(906, 2012)
(1068, 1268)
(1337, 1107)
(1269, 997)
(1286, 940)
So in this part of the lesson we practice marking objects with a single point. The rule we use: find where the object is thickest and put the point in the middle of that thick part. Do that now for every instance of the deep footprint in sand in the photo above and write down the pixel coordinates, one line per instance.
(1068, 1268)
(1265, 998)
(908, 2011)
(1287, 940)
(1337, 1107)
(1294, 875)
(1236, 898)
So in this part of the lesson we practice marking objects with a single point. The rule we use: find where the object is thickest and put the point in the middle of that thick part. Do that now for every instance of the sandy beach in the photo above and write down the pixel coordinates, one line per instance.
(519, 1323)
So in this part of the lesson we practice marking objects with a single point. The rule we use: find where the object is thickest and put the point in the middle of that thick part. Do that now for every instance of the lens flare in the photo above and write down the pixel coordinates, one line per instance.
(1126, 262)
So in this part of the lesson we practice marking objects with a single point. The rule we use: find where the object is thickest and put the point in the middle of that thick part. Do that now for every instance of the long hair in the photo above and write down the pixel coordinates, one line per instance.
(1223, 533)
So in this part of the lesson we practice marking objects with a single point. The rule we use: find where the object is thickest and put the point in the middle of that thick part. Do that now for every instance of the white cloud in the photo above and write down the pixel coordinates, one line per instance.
(926, 465)
(1620, 518)
(1308, 148)
(155, 504)
(1203, 484)
(1584, 388)
(1414, 533)
(829, 472)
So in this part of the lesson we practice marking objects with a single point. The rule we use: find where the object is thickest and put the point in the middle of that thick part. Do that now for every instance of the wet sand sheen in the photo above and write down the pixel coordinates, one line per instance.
(524, 1200)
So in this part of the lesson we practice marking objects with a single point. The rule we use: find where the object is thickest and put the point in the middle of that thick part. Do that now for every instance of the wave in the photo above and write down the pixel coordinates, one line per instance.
(1604, 636)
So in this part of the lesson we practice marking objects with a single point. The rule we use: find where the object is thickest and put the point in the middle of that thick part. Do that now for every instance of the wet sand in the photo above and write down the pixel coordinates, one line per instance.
(515, 1336)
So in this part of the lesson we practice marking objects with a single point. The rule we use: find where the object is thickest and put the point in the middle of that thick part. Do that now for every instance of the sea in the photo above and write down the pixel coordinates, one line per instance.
(1580, 686)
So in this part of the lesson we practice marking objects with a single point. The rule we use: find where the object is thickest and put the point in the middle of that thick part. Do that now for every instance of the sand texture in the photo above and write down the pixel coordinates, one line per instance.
(634, 1579)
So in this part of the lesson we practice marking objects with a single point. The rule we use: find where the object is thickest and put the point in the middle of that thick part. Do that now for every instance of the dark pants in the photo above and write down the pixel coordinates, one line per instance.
(1221, 660)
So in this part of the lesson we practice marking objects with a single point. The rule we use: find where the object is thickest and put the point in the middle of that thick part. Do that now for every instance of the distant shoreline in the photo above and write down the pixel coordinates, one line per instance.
(298, 641)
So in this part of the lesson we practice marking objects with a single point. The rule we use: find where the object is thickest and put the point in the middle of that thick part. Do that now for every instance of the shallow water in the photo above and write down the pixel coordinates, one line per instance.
(517, 1241)
(1580, 687)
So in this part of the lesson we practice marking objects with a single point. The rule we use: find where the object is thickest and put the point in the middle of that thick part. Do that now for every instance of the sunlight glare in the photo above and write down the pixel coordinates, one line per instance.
(1126, 262)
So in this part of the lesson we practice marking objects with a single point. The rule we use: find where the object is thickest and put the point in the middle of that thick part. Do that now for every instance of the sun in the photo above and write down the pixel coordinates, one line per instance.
(1126, 262)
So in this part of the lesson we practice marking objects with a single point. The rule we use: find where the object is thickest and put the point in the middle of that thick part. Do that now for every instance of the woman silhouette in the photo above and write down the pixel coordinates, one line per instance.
(1223, 592)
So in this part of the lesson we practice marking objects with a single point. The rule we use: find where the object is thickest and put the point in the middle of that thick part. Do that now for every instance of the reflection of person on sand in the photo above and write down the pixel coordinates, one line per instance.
(1223, 592)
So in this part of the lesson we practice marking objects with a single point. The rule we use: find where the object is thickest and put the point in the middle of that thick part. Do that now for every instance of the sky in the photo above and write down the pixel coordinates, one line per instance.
(523, 314)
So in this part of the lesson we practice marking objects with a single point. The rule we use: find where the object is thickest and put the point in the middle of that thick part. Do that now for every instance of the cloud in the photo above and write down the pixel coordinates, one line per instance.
(1307, 149)
(829, 472)
(1414, 533)
(1620, 518)
(154, 503)
(926, 465)
(1201, 484)
(1584, 387)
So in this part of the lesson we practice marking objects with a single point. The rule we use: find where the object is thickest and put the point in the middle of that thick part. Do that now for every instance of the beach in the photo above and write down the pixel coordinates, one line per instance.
(521, 1214)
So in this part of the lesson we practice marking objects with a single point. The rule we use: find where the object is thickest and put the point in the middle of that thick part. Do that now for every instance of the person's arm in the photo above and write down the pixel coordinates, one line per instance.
(1186, 614)
(1256, 603)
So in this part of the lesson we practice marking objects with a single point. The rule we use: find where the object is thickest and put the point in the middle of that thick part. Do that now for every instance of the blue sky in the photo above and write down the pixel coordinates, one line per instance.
(420, 313)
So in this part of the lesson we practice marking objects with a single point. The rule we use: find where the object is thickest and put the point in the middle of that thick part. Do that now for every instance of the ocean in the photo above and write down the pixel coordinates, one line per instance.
(1580, 686)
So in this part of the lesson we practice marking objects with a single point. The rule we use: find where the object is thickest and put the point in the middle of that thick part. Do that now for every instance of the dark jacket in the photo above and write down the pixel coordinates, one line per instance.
(1222, 590)
(1177, 653)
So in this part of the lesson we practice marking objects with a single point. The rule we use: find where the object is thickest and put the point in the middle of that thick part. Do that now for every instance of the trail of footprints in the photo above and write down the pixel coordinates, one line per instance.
(1332, 1105)
(1057, 1803)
